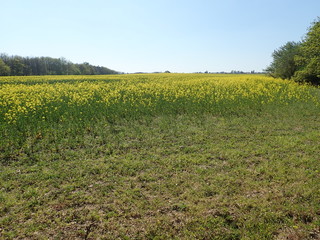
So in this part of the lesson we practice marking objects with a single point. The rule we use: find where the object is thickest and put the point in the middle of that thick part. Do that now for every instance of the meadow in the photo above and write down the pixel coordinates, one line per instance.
(159, 156)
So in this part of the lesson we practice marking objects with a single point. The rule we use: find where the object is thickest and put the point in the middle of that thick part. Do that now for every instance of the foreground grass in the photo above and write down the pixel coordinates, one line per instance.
(167, 177)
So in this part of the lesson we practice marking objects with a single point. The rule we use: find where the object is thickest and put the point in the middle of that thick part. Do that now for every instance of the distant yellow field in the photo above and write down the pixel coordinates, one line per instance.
(45, 96)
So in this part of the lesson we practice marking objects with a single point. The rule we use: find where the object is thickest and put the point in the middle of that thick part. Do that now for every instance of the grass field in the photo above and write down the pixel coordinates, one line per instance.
(159, 156)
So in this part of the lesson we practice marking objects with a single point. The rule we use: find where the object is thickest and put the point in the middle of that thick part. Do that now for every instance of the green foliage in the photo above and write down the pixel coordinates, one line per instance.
(309, 57)
(299, 61)
(4, 68)
(284, 65)
(26, 66)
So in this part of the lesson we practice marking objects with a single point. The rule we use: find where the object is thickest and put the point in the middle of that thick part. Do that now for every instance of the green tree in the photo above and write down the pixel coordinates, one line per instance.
(284, 65)
(17, 66)
(4, 69)
(309, 57)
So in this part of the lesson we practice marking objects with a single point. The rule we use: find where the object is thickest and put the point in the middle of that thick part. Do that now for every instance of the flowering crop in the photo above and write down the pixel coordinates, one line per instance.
(59, 98)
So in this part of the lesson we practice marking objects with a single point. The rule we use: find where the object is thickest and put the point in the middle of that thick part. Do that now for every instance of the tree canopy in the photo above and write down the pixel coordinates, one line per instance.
(299, 61)
(4, 69)
(24, 66)
(284, 65)
(309, 58)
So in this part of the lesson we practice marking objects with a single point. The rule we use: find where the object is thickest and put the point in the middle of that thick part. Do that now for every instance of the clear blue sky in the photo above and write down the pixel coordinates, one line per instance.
(155, 35)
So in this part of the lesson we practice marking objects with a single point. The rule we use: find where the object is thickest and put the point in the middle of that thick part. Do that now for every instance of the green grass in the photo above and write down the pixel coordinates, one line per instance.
(236, 175)
(167, 177)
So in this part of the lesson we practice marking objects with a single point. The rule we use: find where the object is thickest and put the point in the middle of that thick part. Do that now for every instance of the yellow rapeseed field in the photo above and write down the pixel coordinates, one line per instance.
(40, 97)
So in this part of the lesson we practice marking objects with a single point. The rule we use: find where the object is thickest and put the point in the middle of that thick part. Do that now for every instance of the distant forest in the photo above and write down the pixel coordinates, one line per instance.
(26, 66)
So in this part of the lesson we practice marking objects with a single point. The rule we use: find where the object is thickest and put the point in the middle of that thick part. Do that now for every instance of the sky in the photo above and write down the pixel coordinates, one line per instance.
(156, 35)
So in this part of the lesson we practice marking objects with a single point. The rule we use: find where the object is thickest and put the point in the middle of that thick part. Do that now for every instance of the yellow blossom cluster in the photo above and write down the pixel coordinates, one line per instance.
(42, 96)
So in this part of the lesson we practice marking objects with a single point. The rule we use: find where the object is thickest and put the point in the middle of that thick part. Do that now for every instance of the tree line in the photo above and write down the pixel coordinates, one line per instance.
(299, 61)
(25, 66)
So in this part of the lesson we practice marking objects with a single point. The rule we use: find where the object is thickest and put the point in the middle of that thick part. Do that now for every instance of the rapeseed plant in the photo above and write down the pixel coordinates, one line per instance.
(39, 97)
